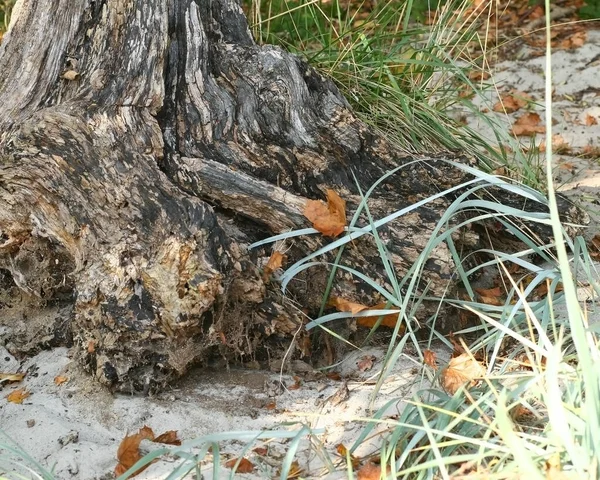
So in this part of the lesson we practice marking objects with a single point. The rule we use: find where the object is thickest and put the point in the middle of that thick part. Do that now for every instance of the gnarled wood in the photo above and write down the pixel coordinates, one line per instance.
(144, 145)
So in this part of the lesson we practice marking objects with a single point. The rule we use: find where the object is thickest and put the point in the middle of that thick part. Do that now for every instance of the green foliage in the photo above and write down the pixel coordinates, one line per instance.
(590, 11)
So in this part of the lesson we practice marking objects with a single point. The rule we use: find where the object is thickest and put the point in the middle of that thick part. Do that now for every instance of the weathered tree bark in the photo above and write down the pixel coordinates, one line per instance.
(144, 144)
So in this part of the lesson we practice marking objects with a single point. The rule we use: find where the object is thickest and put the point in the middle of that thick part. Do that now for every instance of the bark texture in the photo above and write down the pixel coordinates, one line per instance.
(144, 144)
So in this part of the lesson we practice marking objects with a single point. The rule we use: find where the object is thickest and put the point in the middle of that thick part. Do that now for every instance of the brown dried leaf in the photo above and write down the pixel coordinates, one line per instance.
(11, 377)
(389, 320)
(245, 466)
(366, 362)
(369, 471)
(590, 120)
(328, 219)
(343, 452)
(147, 433)
(128, 454)
(262, 451)
(343, 305)
(460, 370)
(168, 438)
(512, 101)
(60, 379)
(275, 262)
(18, 396)
(528, 125)
(430, 358)
(297, 383)
(490, 296)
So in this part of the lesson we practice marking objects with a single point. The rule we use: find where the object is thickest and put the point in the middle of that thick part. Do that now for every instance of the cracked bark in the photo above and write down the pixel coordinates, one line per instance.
(144, 144)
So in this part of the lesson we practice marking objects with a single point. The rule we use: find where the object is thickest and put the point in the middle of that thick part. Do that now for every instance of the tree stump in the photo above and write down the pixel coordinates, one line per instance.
(144, 145)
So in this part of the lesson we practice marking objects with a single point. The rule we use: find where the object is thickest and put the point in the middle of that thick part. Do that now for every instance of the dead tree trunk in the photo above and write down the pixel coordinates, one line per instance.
(144, 144)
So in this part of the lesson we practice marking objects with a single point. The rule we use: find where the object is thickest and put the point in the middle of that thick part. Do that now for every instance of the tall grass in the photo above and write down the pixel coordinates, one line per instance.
(402, 77)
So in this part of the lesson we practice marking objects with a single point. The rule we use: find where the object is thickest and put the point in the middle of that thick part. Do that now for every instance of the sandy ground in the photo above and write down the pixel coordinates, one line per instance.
(76, 428)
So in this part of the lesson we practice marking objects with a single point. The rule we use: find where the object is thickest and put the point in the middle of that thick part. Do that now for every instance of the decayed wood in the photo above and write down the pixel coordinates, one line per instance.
(144, 144)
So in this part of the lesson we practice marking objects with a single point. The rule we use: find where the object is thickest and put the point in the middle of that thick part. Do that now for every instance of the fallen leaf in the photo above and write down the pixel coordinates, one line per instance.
(147, 433)
(462, 369)
(343, 452)
(297, 383)
(366, 363)
(334, 376)
(512, 101)
(430, 358)
(528, 125)
(245, 465)
(271, 405)
(490, 296)
(18, 396)
(275, 262)
(11, 377)
(328, 219)
(262, 451)
(590, 120)
(295, 470)
(128, 454)
(369, 471)
(59, 380)
(343, 305)
(91, 346)
(168, 438)
(389, 320)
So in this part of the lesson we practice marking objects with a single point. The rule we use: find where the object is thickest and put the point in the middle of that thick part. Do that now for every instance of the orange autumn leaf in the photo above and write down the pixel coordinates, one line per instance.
(275, 262)
(11, 377)
(491, 296)
(147, 433)
(343, 305)
(512, 101)
(389, 320)
(430, 358)
(343, 452)
(528, 125)
(462, 369)
(328, 219)
(128, 454)
(168, 438)
(366, 362)
(590, 120)
(18, 395)
(369, 471)
(262, 451)
(60, 379)
(245, 465)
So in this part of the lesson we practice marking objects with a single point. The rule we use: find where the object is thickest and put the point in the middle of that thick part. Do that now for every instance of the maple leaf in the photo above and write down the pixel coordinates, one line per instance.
(328, 219)
(128, 454)
(18, 395)
(129, 451)
(366, 363)
(429, 358)
(512, 101)
(528, 125)
(275, 262)
(462, 369)
(168, 438)
(245, 465)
